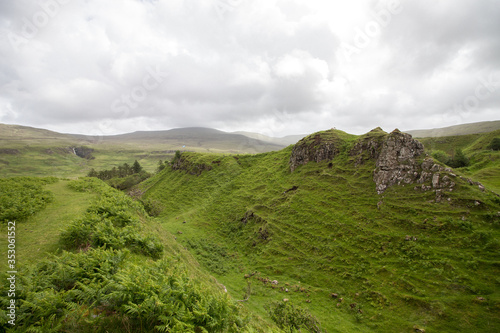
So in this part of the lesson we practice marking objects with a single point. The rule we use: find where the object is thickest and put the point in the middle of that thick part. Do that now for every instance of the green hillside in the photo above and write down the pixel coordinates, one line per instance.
(462, 129)
(405, 260)
(484, 163)
(89, 259)
(337, 233)
(27, 151)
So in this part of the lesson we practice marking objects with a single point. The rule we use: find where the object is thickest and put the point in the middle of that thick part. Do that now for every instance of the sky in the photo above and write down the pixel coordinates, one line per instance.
(276, 67)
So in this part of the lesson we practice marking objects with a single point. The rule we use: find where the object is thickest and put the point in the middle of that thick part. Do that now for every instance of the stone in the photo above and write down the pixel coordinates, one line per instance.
(318, 148)
(396, 162)
(439, 195)
(435, 180)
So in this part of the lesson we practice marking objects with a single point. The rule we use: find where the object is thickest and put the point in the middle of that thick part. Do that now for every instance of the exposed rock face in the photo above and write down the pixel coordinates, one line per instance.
(318, 149)
(194, 169)
(396, 163)
(396, 156)
(83, 152)
(368, 146)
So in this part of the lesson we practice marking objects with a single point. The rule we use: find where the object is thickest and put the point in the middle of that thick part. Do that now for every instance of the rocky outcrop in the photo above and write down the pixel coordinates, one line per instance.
(368, 146)
(397, 157)
(314, 148)
(190, 167)
(396, 162)
(83, 152)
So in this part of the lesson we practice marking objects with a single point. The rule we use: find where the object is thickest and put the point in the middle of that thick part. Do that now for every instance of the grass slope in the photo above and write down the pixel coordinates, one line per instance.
(27, 151)
(484, 162)
(394, 263)
(65, 206)
(58, 291)
(463, 129)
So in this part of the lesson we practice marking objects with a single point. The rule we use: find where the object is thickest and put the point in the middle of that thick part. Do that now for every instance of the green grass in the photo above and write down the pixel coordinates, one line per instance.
(29, 151)
(39, 234)
(484, 163)
(45, 271)
(396, 261)
(328, 236)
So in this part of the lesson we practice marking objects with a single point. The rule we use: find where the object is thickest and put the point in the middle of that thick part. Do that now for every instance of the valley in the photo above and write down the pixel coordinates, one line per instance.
(336, 233)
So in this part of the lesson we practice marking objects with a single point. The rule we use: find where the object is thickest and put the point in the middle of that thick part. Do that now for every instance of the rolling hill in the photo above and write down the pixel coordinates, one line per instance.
(463, 129)
(366, 232)
(31, 151)
(336, 233)
(284, 141)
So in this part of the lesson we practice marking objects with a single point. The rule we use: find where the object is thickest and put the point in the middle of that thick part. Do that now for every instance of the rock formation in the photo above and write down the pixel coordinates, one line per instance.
(397, 156)
(396, 163)
(185, 164)
(314, 148)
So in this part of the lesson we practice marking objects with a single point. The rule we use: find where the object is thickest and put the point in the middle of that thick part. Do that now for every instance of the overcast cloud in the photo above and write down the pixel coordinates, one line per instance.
(269, 66)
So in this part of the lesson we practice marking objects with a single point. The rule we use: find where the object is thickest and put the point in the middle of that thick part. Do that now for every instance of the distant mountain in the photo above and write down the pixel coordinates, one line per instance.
(33, 151)
(285, 141)
(192, 138)
(463, 129)
(25, 134)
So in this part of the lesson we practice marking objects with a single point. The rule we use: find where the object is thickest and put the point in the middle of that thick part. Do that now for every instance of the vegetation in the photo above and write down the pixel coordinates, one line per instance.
(111, 222)
(122, 177)
(22, 197)
(393, 262)
(495, 144)
(483, 161)
(292, 318)
(104, 287)
(239, 243)
(108, 290)
(459, 160)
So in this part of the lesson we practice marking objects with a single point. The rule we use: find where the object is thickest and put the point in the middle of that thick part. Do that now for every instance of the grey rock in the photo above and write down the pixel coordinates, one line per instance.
(396, 162)
(317, 149)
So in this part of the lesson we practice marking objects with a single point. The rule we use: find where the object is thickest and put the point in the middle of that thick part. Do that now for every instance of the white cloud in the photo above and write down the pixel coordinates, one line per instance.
(278, 67)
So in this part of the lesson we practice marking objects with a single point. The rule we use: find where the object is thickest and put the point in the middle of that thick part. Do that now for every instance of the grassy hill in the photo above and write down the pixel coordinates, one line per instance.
(298, 237)
(128, 275)
(484, 163)
(27, 151)
(463, 129)
(360, 262)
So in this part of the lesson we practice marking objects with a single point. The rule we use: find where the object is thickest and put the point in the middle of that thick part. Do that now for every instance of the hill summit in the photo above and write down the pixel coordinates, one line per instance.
(399, 159)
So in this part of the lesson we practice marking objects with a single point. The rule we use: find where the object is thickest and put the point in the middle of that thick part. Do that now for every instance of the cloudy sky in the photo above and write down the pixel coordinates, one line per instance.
(277, 67)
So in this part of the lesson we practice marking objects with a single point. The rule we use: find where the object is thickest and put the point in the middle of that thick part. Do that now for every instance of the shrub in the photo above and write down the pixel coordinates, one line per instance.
(459, 160)
(292, 318)
(441, 156)
(22, 197)
(111, 221)
(103, 290)
(495, 144)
